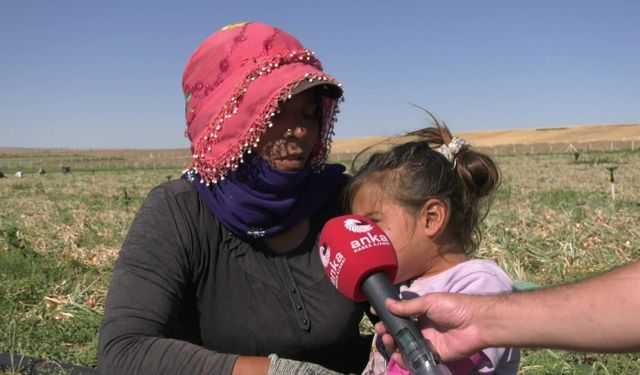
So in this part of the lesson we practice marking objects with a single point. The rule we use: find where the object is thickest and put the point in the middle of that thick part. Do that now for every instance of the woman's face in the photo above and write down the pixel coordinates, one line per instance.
(288, 144)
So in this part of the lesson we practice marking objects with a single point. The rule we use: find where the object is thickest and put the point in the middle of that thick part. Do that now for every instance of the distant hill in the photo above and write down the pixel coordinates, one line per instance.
(491, 138)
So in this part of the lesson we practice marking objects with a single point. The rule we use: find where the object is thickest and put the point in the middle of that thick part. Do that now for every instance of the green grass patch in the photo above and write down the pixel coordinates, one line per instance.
(546, 362)
(562, 198)
(46, 309)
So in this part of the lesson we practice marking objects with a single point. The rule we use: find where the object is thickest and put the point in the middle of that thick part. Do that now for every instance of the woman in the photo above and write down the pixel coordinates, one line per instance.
(218, 273)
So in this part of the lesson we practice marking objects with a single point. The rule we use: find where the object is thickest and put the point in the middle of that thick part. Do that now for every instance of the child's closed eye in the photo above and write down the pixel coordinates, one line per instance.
(375, 219)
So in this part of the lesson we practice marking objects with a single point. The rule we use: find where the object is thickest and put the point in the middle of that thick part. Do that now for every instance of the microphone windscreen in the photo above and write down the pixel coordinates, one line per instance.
(353, 247)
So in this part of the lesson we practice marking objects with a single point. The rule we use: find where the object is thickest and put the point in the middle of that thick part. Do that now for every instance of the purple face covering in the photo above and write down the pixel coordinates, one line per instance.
(258, 201)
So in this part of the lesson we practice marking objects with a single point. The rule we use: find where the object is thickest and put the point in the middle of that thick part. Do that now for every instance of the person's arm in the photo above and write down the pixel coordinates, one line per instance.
(147, 291)
(597, 314)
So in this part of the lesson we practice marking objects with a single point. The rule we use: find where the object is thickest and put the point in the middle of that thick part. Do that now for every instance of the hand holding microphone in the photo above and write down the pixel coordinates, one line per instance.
(360, 262)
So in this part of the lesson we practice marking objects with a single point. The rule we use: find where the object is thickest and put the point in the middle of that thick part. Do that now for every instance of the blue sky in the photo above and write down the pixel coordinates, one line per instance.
(107, 74)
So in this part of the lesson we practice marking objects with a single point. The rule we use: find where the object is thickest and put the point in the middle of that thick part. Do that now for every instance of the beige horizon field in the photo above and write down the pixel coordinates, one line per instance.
(491, 138)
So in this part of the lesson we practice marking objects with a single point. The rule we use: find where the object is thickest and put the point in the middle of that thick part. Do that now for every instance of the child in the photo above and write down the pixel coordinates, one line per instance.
(429, 196)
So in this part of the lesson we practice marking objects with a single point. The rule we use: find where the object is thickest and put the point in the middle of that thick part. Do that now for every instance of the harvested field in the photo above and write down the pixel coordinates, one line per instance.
(553, 221)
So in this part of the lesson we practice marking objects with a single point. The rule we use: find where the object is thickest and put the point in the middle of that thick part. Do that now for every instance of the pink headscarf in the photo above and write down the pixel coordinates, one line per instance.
(233, 84)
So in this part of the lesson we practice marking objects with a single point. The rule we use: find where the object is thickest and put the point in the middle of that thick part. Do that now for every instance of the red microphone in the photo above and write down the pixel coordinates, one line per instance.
(360, 261)
(353, 247)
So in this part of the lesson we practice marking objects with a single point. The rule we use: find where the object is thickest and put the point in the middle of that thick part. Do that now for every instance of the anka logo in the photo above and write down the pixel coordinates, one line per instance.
(335, 267)
(325, 254)
(367, 241)
(332, 267)
(357, 226)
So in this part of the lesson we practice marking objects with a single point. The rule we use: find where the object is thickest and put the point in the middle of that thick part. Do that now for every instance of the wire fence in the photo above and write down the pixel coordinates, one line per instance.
(550, 148)
(532, 149)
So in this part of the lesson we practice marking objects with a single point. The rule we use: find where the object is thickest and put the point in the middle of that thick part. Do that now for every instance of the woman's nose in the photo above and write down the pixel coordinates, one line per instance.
(296, 133)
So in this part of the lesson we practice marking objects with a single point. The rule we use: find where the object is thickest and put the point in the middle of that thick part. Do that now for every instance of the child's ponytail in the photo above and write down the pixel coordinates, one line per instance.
(480, 175)
(478, 172)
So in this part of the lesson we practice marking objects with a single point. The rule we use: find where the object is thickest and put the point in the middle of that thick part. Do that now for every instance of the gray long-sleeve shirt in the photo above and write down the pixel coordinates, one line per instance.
(187, 296)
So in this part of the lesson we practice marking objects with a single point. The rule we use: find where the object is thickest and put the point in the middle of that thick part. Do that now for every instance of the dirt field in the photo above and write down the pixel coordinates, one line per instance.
(490, 138)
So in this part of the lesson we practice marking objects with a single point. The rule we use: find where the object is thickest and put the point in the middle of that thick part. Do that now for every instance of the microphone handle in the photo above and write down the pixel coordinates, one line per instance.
(416, 350)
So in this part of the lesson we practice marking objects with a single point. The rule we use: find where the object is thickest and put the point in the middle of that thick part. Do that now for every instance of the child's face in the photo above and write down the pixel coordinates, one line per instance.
(288, 144)
(411, 244)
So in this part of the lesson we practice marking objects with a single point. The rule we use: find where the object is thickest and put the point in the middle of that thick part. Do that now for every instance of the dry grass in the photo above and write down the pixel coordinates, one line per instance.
(553, 221)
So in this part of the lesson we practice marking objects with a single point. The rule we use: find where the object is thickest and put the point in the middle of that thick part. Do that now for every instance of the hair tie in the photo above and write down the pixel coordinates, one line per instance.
(451, 149)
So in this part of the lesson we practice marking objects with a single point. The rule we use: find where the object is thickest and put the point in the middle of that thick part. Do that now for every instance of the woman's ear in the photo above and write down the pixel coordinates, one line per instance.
(434, 217)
